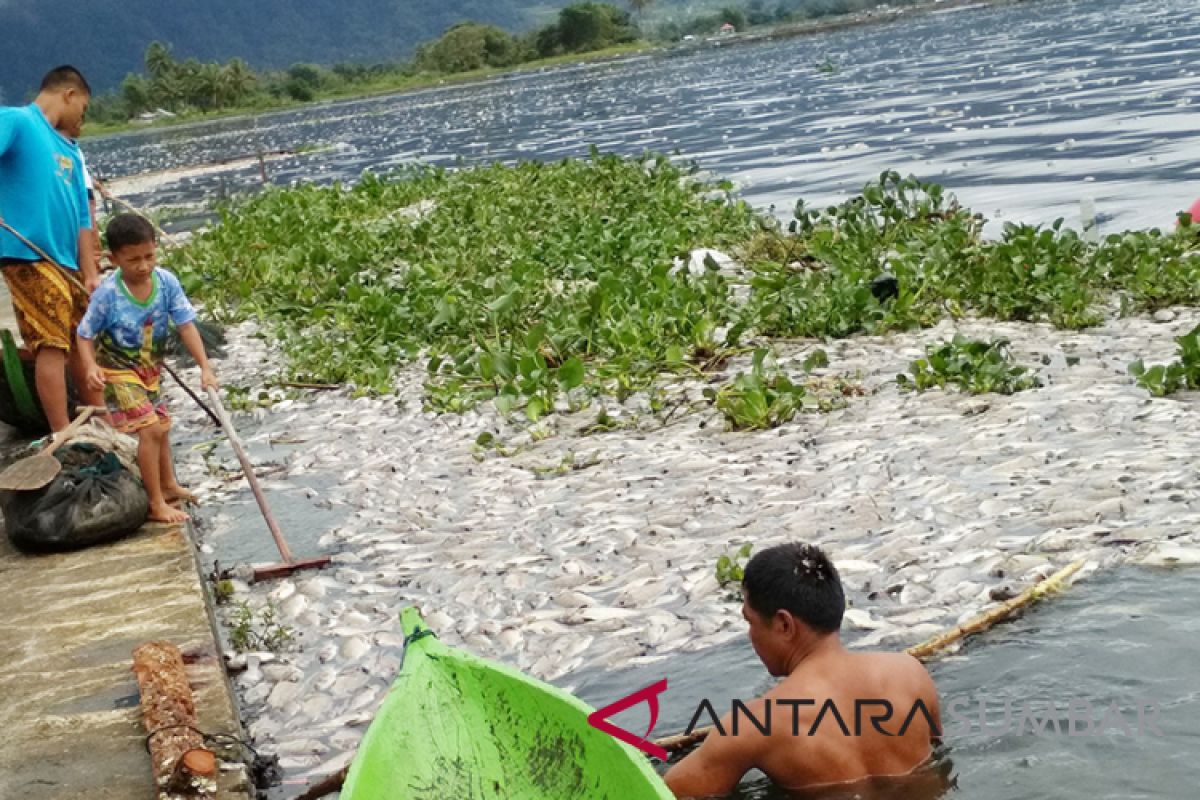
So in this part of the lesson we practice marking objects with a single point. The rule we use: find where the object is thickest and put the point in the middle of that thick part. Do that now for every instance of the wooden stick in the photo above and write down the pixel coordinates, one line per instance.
(933, 646)
(171, 240)
(327, 785)
(248, 470)
(178, 757)
(216, 420)
(313, 386)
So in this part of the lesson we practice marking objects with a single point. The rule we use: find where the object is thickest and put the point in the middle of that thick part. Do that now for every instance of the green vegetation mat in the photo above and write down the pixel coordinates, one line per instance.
(538, 285)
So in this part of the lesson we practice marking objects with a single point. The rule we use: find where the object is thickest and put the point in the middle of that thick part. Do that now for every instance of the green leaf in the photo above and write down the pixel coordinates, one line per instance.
(534, 409)
(817, 359)
(570, 373)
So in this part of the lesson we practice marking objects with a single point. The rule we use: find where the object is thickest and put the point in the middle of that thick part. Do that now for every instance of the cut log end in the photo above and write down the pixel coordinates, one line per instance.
(199, 761)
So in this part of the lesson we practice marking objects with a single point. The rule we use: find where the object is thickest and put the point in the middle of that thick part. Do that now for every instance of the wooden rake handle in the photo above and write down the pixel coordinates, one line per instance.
(248, 471)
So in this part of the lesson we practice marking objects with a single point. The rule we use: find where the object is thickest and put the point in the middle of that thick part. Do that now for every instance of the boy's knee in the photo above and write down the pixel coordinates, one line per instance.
(152, 433)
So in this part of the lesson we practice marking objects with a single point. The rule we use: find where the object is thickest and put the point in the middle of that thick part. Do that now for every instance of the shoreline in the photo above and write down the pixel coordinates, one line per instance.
(412, 86)
(612, 55)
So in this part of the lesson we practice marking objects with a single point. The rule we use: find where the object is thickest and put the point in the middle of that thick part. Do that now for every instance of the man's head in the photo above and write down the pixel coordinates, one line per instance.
(132, 246)
(792, 597)
(64, 97)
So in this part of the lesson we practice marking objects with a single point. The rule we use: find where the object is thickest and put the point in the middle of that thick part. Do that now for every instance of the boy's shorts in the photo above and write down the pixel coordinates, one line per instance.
(134, 407)
(48, 304)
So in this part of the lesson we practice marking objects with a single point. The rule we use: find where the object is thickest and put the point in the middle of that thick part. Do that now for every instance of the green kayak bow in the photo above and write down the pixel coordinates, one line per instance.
(458, 727)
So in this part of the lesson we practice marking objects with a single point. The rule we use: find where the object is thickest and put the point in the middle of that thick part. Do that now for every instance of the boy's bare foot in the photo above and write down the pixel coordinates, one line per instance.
(164, 513)
(175, 493)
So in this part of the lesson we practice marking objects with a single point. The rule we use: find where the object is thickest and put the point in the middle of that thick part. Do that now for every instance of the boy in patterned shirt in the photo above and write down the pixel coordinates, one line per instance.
(122, 339)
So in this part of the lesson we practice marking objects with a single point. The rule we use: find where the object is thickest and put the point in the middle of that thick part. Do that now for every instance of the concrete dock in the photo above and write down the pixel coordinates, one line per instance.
(69, 703)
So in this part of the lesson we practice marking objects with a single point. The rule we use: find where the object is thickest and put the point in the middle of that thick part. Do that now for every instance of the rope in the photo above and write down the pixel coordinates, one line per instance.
(223, 740)
(417, 635)
(263, 769)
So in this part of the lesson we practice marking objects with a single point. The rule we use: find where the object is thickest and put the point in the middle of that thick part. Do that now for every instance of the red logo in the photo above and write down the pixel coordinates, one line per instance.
(598, 719)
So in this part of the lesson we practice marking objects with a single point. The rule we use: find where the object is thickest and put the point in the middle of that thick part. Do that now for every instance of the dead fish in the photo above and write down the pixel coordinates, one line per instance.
(354, 648)
(861, 619)
(571, 599)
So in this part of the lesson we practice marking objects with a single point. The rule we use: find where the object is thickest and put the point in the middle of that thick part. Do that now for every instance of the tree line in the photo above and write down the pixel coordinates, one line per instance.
(182, 86)
(191, 85)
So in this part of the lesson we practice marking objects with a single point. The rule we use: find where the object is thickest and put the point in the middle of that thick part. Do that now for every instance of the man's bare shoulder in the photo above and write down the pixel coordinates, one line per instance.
(896, 663)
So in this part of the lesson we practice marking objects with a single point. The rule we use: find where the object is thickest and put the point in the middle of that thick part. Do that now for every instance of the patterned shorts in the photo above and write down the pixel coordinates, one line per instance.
(48, 304)
(134, 407)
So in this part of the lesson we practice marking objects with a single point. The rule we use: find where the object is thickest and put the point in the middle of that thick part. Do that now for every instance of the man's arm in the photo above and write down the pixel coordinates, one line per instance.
(716, 766)
(87, 245)
(89, 259)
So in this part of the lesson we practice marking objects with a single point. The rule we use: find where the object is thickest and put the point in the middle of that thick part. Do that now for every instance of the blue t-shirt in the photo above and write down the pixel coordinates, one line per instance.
(130, 334)
(42, 191)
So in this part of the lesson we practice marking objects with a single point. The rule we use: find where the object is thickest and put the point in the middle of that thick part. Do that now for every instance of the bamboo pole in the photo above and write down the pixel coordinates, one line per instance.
(931, 647)
(179, 760)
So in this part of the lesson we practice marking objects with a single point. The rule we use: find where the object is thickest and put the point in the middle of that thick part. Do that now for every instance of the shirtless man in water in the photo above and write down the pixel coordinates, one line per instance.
(829, 718)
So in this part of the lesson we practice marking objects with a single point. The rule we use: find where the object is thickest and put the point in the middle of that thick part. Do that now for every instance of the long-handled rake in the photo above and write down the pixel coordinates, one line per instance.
(289, 564)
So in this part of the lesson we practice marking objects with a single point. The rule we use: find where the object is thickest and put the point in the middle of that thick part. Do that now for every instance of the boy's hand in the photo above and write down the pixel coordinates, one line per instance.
(95, 377)
(208, 379)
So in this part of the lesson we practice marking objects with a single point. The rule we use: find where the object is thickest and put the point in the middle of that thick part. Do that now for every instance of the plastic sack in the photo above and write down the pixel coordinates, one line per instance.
(94, 499)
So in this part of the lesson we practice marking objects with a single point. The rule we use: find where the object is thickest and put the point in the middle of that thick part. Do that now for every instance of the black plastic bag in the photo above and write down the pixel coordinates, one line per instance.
(94, 499)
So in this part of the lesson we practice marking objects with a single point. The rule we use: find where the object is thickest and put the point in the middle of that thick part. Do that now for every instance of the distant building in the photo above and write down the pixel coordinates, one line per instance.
(727, 29)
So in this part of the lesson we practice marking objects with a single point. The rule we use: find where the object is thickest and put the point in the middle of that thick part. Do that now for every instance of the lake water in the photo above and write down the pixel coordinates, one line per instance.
(1022, 110)
(1121, 637)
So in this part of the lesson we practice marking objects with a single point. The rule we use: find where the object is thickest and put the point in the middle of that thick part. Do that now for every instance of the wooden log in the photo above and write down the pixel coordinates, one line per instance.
(930, 647)
(179, 760)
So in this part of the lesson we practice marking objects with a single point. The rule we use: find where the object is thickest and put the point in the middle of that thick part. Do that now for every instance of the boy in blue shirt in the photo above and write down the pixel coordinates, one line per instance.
(122, 339)
(43, 199)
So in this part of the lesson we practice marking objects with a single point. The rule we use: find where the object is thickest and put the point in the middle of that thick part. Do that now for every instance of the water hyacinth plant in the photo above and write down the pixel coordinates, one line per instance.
(971, 365)
(1184, 373)
(536, 286)
(521, 284)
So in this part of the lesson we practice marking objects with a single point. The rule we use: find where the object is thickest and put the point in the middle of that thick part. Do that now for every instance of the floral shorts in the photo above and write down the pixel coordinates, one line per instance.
(133, 406)
(48, 304)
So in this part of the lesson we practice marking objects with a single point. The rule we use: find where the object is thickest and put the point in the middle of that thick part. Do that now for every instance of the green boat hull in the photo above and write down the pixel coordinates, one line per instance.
(458, 727)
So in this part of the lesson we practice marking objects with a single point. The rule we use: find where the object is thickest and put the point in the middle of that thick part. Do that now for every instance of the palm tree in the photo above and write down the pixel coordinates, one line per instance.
(136, 91)
(239, 80)
(208, 89)
(158, 60)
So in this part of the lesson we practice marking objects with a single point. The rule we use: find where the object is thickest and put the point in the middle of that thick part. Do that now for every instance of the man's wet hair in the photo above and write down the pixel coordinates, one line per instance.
(128, 229)
(797, 578)
(65, 77)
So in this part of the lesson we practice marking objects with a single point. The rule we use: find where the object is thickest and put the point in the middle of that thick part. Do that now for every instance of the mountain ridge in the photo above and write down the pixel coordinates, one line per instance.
(106, 39)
